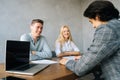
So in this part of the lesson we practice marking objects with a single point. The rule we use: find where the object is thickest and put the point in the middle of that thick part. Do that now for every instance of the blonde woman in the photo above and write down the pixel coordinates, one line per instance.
(64, 45)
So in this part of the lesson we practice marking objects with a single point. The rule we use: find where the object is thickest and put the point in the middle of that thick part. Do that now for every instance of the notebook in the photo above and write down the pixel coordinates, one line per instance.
(17, 58)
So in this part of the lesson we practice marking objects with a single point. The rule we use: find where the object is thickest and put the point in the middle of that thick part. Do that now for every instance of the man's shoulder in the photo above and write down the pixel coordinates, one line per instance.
(42, 37)
(25, 35)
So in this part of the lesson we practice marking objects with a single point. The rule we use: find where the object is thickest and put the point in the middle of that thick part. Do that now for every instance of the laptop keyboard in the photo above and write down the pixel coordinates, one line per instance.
(25, 67)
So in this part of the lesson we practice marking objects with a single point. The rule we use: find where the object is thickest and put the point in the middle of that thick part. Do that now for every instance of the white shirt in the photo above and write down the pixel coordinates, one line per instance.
(67, 46)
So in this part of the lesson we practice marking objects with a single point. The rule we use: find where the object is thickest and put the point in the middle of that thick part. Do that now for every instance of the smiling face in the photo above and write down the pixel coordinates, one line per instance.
(66, 33)
(36, 29)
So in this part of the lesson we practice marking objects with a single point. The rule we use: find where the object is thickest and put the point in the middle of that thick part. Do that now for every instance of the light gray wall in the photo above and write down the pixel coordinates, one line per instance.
(16, 15)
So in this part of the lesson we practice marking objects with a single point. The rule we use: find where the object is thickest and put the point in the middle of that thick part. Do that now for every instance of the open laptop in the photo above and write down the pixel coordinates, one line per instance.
(17, 58)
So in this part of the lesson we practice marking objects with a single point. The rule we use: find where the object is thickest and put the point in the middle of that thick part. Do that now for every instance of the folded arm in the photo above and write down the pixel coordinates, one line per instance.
(69, 53)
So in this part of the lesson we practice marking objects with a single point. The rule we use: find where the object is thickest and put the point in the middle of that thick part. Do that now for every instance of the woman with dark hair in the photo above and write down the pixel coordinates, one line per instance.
(104, 10)
(105, 47)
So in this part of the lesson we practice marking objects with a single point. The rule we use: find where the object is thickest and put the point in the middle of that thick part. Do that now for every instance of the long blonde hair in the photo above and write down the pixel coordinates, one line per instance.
(60, 38)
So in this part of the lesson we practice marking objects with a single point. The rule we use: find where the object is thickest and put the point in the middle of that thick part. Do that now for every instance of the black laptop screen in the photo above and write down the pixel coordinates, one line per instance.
(17, 54)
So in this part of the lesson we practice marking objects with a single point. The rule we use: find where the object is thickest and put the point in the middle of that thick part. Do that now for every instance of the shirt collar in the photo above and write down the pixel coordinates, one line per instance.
(32, 37)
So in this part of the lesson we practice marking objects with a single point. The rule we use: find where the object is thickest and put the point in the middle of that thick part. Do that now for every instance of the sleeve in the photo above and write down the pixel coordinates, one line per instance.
(45, 52)
(57, 48)
(102, 47)
(74, 47)
(25, 37)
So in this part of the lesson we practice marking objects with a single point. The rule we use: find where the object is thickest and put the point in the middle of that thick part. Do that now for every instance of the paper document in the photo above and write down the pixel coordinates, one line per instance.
(44, 61)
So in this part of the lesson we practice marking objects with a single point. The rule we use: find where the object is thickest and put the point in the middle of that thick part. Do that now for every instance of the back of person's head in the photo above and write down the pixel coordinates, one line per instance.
(37, 21)
(105, 10)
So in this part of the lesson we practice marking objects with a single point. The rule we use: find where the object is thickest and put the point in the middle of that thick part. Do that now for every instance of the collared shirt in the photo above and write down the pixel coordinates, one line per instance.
(41, 47)
(67, 46)
(105, 49)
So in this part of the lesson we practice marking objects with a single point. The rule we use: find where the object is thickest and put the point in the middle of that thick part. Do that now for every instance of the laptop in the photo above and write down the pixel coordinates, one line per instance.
(17, 58)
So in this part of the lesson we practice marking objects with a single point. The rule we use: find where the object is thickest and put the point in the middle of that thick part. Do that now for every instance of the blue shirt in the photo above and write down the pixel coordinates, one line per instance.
(105, 49)
(41, 47)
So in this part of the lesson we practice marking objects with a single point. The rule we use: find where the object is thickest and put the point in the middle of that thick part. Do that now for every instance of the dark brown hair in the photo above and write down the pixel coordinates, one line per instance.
(37, 21)
(104, 9)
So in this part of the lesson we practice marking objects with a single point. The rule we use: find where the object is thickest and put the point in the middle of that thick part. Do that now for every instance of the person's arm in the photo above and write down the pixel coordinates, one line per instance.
(45, 52)
(69, 53)
(57, 48)
(35, 54)
(102, 47)
(75, 52)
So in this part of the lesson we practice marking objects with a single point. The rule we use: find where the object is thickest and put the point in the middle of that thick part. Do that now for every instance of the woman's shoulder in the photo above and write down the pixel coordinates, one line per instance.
(70, 41)
(57, 41)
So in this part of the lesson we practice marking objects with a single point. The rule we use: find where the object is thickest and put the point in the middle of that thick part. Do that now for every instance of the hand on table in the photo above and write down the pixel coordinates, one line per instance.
(77, 57)
(33, 52)
(63, 61)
